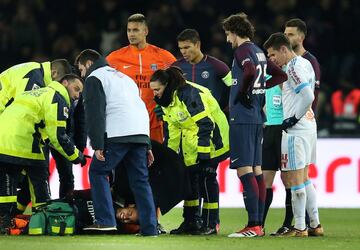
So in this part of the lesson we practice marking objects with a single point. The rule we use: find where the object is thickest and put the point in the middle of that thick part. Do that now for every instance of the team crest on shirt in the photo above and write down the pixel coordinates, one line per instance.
(205, 74)
(66, 112)
(182, 116)
(153, 66)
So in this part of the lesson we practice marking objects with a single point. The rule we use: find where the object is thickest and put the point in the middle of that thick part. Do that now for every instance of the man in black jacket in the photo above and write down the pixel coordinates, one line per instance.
(118, 127)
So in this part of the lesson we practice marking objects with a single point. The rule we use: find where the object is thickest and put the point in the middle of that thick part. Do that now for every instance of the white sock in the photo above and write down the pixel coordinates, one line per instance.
(298, 201)
(311, 204)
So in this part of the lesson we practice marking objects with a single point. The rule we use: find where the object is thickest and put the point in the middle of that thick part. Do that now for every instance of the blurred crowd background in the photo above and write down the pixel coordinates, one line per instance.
(40, 30)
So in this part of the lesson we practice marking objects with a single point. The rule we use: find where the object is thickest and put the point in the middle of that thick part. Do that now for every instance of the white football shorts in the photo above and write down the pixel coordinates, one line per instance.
(297, 151)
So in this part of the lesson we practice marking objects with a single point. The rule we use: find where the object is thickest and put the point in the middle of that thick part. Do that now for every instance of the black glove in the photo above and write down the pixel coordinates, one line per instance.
(289, 122)
(244, 99)
(158, 112)
(80, 160)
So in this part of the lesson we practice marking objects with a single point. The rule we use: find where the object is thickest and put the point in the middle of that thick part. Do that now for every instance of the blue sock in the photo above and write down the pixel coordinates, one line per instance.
(251, 198)
(262, 195)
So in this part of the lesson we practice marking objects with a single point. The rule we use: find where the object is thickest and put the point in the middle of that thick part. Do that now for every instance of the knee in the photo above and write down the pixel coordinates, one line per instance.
(285, 180)
(208, 173)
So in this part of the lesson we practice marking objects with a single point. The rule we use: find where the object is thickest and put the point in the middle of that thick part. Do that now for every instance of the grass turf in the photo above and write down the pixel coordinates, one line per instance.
(342, 231)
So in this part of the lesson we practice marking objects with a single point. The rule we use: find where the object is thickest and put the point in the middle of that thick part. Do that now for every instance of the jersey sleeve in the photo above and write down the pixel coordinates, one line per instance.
(247, 65)
(299, 77)
(242, 57)
(222, 71)
(168, 58)
(275, 75)
(220, 67)
(113, 60)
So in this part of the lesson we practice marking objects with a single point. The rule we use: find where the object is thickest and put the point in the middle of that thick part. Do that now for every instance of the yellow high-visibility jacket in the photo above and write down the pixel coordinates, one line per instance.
(33, 117)
(22, 77)
(195, 123)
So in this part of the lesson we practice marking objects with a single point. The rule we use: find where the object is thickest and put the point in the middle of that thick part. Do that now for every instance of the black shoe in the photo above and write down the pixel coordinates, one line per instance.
(187, 228)
(281, 231)
(5, 224)
(206, 231)
(160, 229)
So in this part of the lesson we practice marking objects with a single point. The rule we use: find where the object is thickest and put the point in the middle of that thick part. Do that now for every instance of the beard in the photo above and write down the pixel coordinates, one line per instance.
(295, 46)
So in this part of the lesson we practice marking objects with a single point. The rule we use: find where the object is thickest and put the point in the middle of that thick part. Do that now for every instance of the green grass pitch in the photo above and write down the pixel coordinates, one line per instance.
(342, 229)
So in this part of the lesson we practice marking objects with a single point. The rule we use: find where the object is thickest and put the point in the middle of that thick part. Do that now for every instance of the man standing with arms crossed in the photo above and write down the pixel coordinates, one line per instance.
(298, 146)
(139, 60)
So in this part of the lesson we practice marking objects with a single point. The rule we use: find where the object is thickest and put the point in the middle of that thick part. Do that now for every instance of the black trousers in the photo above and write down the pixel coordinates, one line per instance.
(66, 176)
(205, 187)
(11, 175)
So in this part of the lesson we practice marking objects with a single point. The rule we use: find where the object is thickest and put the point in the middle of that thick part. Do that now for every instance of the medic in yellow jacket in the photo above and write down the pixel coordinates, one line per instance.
(196, 127)
(36, 116)
(193, 119)
(29, 76)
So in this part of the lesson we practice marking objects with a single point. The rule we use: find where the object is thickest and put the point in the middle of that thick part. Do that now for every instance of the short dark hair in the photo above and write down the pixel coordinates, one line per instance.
(297, 23)
(239, 25)
(277, 40)
(87, 55)
(189, 35)
(71, 77)
(62, 66)
(137, 18)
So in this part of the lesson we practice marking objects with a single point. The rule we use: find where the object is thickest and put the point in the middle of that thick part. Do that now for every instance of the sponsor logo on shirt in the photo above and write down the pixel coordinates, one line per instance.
(258, 91)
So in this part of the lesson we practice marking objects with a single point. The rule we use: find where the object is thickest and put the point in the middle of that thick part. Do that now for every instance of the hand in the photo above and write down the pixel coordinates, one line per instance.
(99, 154)
(244, 99)
(289, 122)
(81, 159)
(158, 112)
(150, 158)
